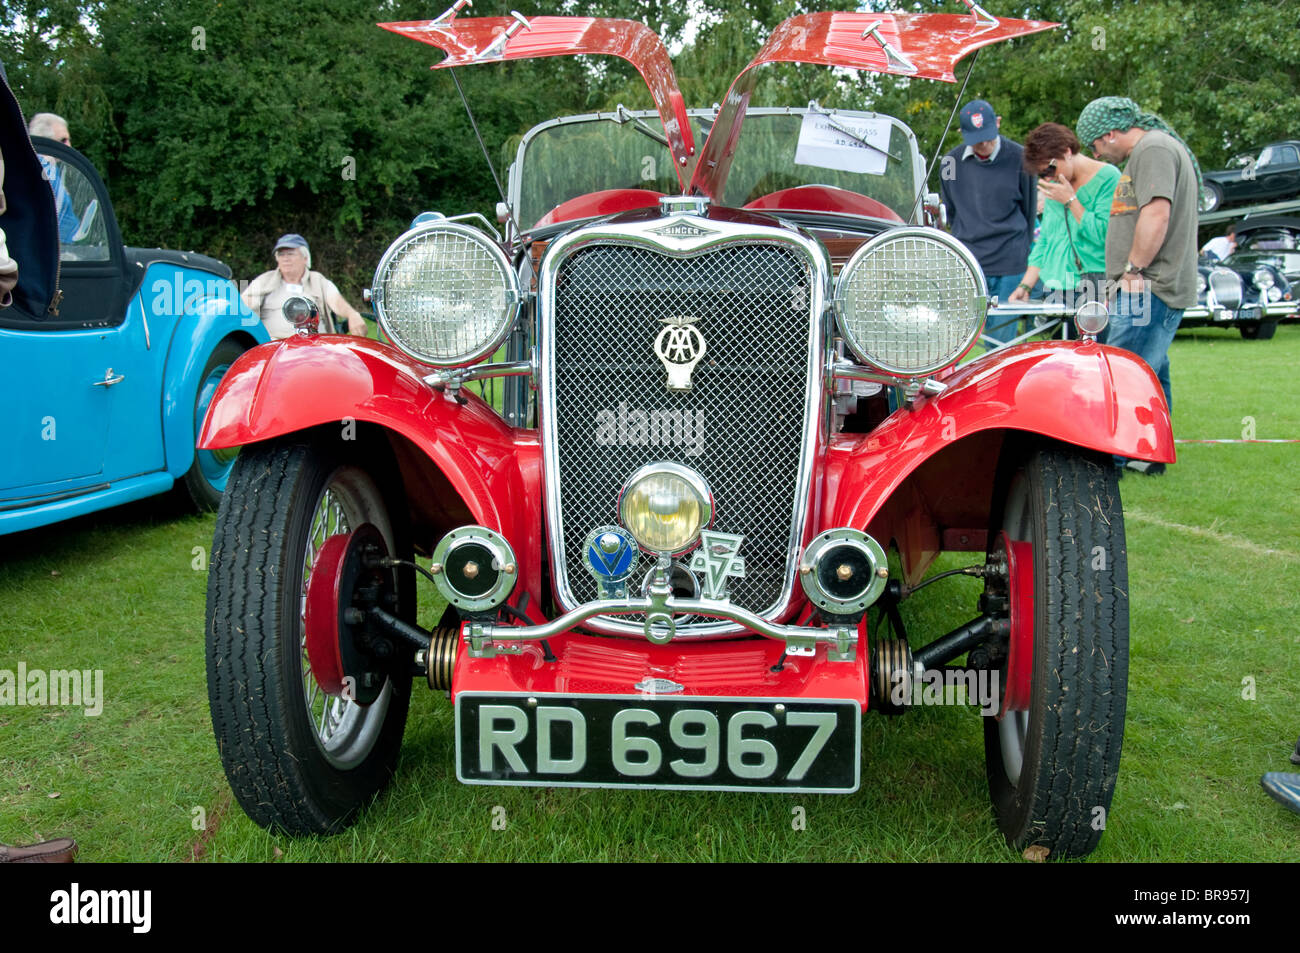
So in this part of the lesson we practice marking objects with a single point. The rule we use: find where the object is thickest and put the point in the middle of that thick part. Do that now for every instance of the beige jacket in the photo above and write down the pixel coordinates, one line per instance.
(266, 293)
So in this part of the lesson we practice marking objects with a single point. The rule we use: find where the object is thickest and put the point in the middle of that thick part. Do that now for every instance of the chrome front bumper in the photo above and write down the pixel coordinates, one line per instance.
(486, 640)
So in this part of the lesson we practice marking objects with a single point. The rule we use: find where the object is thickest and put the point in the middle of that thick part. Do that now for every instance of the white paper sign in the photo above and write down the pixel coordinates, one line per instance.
(822, 145)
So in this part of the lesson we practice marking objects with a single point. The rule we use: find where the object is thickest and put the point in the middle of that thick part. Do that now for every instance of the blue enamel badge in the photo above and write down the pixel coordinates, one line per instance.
(611, 554)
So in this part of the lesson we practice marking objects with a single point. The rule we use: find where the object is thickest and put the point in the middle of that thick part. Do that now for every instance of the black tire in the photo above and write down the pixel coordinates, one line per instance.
(209, 472)
(1051, 768)
(1211, 196)
(1258, 331)
(297, 760)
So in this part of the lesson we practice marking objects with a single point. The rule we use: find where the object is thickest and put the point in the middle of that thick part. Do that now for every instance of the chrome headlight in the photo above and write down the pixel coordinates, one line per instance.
(445, 294)
(912, 300)
(1263, 279)
(664, 506)
(1201, 283)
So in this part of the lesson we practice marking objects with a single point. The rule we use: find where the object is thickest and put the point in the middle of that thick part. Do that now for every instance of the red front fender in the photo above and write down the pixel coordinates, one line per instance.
(1092, 396)
(299, 383)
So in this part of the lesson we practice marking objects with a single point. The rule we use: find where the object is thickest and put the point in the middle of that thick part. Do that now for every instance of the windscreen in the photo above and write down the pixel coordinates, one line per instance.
(873, 156)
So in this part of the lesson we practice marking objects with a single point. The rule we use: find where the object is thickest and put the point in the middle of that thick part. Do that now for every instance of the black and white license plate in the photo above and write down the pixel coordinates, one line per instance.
(639, 741)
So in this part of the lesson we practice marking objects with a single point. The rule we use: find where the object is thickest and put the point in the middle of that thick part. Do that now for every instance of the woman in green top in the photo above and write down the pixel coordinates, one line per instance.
(1072, 242)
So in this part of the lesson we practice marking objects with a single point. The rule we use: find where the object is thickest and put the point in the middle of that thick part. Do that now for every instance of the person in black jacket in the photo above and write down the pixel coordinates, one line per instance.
(991, 201)
(28, 219)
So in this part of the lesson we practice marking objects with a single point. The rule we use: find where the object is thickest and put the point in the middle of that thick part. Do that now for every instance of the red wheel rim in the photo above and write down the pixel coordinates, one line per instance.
(1020, 661)
(321, 620)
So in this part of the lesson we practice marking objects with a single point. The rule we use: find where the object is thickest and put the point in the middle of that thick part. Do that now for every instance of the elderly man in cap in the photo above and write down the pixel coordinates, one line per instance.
(1151, 241)
(266, 295)
(991, 202)
(55, 127)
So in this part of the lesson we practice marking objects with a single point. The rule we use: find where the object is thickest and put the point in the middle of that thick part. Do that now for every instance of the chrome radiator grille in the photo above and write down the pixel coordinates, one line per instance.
(741, 425)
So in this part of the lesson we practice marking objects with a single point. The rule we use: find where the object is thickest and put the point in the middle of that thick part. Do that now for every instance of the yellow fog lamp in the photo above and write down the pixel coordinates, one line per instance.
(664, 506)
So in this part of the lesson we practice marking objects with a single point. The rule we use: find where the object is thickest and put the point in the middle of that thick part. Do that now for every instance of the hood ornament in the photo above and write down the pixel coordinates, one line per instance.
(680, 345)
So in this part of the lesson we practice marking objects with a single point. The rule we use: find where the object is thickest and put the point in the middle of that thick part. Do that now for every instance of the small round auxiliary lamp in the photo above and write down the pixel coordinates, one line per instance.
(1091, 319)
(302, 313)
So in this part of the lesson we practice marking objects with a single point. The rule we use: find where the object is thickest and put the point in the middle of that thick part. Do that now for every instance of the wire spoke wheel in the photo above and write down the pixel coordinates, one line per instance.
(1052, 768)
(345, 731)
(297, 757)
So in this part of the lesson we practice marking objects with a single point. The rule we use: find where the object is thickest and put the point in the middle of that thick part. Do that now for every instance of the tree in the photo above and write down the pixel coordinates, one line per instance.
(219, 125)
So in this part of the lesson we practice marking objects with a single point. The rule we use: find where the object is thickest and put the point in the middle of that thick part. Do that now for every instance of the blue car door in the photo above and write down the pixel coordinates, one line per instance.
(76, 370)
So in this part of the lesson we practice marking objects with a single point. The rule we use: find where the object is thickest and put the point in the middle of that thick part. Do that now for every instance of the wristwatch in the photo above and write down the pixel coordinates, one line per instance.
(1132, 269)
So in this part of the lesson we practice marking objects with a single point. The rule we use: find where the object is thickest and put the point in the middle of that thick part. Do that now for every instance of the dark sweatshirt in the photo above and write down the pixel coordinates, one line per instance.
(991, 206)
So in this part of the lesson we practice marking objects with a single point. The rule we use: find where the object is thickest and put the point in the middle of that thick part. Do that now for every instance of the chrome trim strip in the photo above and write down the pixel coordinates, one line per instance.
(842, 370)
(144, 318)
(1049, 309)
(720, 235)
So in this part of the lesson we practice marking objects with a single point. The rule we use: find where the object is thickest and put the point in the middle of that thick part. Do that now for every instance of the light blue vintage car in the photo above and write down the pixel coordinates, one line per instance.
(110, 366)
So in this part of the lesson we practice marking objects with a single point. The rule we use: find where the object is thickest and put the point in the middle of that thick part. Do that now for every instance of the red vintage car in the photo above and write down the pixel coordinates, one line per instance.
(735, 434)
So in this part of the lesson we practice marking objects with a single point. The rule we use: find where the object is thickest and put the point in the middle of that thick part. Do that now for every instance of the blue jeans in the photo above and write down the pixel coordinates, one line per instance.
(1002, 286)
(1145, 325)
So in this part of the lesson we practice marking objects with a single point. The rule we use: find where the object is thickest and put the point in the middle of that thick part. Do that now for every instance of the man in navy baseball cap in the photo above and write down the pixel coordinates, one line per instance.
(978, 123)
(992, 204)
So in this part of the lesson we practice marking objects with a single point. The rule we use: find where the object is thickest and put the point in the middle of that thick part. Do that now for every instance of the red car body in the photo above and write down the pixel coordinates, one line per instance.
(932, 470)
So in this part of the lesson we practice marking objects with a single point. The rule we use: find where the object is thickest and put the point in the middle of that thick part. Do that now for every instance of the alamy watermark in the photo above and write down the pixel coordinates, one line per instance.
(947, 686)
(179, 295)
(625, 426)
(131, 908)
(69, 688)
(1108, 292)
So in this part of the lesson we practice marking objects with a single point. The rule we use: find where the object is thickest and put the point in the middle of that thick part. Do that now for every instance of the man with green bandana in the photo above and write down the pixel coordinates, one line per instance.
(1151, 241)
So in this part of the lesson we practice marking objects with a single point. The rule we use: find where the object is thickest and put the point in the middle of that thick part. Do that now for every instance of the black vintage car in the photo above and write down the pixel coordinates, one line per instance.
(1272, 240)
(1271, 173)
(1256, 286)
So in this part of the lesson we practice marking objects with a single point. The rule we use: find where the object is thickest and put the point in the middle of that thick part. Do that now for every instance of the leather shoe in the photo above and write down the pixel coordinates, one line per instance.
(1145, 466)
(1283, 788)
(59, 851)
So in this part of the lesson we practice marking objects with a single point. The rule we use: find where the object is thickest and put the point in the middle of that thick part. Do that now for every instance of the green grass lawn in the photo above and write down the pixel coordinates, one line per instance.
(1214, 562)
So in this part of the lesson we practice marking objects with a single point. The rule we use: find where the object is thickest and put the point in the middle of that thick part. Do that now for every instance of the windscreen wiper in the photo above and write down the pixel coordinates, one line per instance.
(623, 115)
